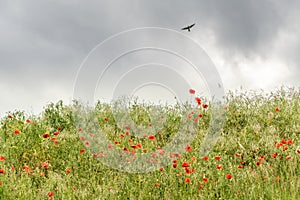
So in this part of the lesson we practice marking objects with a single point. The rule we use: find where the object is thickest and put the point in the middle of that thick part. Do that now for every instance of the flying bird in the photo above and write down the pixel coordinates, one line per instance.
(188, 27)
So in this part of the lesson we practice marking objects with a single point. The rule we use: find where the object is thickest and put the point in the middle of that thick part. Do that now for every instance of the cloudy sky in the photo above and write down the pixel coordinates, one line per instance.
(253, 44)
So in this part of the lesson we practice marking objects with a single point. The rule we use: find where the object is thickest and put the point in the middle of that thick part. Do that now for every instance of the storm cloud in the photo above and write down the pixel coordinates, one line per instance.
(42, 43)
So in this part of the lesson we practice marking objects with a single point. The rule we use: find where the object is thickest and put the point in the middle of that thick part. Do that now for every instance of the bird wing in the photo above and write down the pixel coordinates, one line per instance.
(185, 28)
(192, 25)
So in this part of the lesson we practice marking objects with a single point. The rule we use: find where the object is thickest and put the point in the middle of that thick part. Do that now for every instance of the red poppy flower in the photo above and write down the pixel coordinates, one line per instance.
(279, 144)
(50, 194)
(193, 158)
(82, 151)
(133, 152)
(56, 133)
(161, 169)
(2, 158)
(46, 135)
(219, 166)
(10, 117)
(205, 180)
(262, 158)
(152, 137)
(283, 141)
(288, 157)
(191, 91)
(290, 142)
(68, 171)
(277, 109)
(82, 138)
(205, 106)
(258, 163)
(228, 176)
(95, 155)
(240, 167)
(200, 115)
(27, 169)
(198, 100)
(45, 165)
(237, 155)
(16, 132)
(217, 157)
(205, 158)
(91, 134)
(298, 151)
(87, 144)
(275, 155)
(185, 164)
(187, 170)
(187, 180)
(174, 165)
(106, 119)
(156, 184)
(27, 120)
(188, 148)
(2, 171)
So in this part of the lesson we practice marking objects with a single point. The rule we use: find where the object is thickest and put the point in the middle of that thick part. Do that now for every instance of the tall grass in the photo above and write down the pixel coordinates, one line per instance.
(44, 157)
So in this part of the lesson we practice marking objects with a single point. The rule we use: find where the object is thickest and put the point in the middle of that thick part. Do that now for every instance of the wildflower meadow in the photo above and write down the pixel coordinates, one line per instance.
(256, 155)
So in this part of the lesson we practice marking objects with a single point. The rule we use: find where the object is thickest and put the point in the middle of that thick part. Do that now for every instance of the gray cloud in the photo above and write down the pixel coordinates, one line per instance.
(44, 42)
(240, 26)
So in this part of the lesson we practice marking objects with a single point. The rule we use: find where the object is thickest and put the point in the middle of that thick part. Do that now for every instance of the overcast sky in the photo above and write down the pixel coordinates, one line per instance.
(254, 44)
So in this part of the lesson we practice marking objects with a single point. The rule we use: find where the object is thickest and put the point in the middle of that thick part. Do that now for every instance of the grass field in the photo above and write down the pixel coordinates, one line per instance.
(257, 155)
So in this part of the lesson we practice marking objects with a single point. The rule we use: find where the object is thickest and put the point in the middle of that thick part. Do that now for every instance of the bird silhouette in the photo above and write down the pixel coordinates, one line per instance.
(188, 27)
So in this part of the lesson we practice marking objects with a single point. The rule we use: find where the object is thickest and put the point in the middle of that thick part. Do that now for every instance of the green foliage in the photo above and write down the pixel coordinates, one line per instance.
(57, 116)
